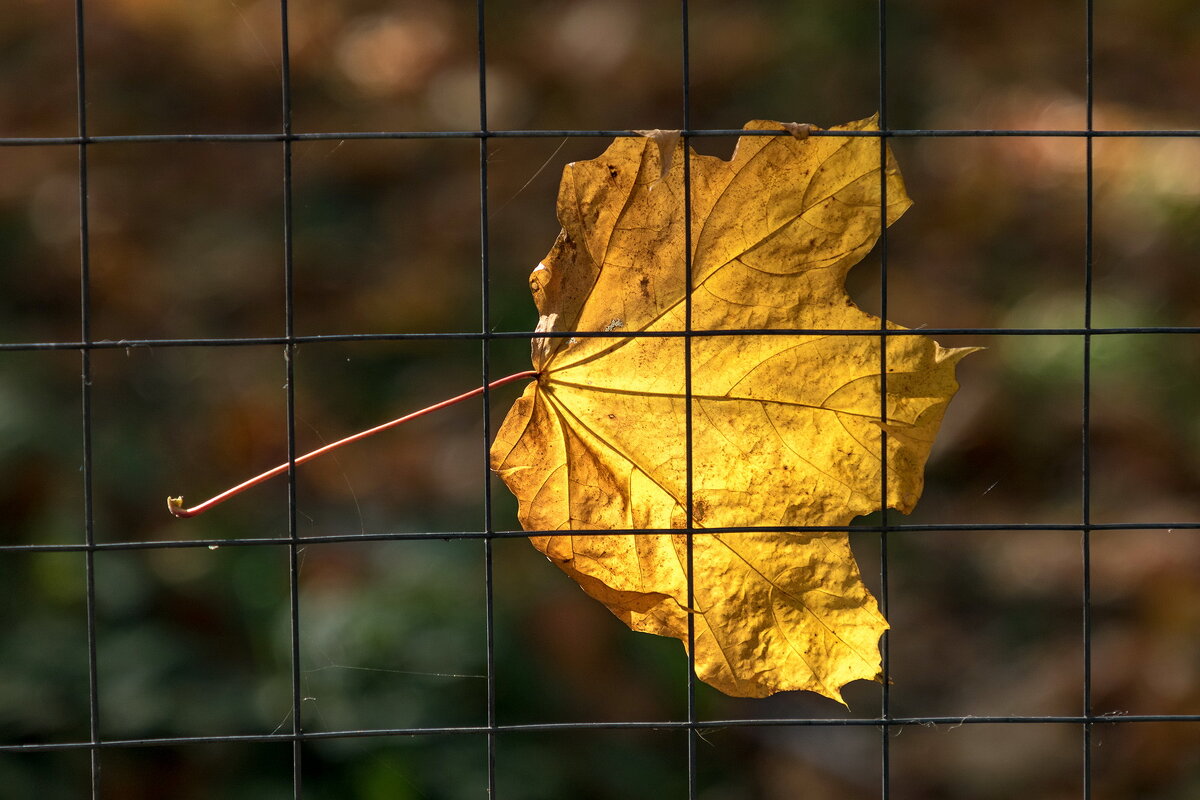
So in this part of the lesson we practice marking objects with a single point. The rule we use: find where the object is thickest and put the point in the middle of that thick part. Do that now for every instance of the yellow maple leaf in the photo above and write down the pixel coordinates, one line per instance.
(786, 428)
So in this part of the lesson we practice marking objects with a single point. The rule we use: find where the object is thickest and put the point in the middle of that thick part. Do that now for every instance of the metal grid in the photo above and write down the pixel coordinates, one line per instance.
(885, 721)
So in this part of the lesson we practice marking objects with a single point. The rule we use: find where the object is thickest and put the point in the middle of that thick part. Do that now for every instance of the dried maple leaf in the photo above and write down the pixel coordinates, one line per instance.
(786, 428)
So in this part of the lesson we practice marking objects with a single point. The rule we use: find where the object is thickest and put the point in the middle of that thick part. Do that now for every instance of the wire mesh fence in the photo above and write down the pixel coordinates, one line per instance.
(199, 279)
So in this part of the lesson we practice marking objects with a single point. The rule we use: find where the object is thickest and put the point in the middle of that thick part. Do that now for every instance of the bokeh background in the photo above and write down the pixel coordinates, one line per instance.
(185, 240)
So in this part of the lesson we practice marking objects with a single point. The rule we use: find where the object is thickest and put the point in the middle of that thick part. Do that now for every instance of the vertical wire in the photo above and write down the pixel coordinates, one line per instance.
(692, 731)
(486, 322)
(885, 752)
(1086, 485)
(85, 327)
(290, 403)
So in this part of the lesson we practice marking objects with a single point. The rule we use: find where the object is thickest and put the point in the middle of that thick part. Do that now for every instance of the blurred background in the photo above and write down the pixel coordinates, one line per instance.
(186, 241)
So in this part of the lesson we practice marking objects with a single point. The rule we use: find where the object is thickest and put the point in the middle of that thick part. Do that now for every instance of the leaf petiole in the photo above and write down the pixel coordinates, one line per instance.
(175, 504)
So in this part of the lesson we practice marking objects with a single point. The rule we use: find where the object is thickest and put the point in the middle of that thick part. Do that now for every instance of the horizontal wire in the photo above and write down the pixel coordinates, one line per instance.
(664, 725)
(449, 536)
(117, 344)
(34, 141)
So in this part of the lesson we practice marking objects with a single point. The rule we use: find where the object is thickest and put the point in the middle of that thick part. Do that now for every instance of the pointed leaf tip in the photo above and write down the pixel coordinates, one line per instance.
(666, 141)
(800, 130)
